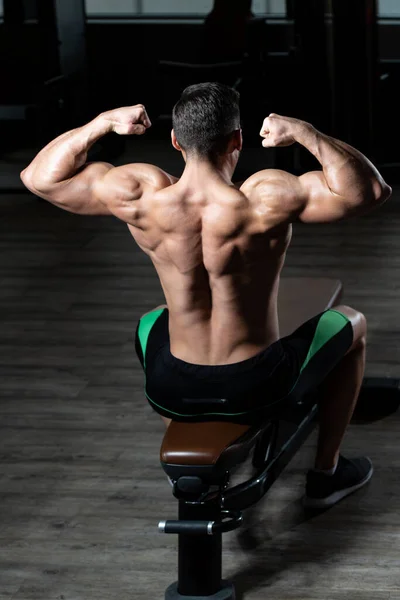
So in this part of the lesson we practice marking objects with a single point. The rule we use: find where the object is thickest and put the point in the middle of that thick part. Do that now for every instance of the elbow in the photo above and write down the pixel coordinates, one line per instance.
(387, 192)
(26, 179)
(381, 192)
(34, 185)
(23, 176)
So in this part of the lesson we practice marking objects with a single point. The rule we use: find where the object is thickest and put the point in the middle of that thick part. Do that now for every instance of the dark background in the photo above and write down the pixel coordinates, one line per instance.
(333, 63)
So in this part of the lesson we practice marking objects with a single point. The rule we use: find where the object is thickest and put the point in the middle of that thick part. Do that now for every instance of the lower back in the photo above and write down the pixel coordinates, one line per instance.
(224, 333)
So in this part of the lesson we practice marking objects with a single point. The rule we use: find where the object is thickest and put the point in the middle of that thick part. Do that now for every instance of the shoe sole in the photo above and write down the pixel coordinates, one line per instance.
(336, 496)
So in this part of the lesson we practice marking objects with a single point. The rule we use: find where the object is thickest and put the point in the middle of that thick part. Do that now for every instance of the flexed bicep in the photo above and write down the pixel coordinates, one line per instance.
(348, 184)
(60, 172)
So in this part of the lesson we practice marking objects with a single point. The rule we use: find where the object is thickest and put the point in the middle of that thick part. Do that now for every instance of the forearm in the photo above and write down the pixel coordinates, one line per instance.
(347, 171)
(62, 158)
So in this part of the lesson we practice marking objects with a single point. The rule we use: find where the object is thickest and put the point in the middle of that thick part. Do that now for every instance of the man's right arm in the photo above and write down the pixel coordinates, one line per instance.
(349, 184)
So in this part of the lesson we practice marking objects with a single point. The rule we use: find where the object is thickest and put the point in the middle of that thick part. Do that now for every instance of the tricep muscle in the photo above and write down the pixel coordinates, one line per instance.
(77, 194)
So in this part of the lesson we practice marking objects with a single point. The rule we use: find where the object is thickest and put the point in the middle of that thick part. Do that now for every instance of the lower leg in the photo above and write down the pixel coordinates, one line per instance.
(337, 404)
(339, 393)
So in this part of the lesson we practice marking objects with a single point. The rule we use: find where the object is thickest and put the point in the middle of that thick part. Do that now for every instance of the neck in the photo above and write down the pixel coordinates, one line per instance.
(202, 171)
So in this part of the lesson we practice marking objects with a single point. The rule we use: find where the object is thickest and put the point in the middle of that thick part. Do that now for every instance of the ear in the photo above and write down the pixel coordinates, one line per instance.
(236, 141)
(240, 139)
(175, 142)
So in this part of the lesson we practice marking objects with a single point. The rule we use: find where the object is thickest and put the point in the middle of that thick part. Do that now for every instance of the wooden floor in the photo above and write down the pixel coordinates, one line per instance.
(81, 489)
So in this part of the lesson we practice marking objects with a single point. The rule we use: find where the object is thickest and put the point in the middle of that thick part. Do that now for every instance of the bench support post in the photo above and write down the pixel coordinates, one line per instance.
(200, 558)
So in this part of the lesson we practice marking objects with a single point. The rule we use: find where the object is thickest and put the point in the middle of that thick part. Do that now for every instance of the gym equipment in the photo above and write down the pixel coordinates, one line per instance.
(199, 459)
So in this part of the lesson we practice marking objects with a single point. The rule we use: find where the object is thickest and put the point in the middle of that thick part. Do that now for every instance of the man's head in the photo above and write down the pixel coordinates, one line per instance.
(206, 121)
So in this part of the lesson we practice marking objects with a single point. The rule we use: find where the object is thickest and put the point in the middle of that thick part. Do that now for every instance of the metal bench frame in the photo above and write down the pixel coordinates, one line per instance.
(205, 513)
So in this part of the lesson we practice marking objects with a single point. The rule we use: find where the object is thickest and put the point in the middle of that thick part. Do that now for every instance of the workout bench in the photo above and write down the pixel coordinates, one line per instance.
(200, 457)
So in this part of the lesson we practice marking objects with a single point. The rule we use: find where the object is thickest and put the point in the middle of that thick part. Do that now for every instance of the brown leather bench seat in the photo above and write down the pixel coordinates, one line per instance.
(216, 447)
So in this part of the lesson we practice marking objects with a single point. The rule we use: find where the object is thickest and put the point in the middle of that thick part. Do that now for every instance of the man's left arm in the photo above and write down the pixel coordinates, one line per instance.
(60, 173)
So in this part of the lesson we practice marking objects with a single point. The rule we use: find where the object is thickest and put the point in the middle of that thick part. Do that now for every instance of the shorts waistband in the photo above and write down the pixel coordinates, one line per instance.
(274, 352)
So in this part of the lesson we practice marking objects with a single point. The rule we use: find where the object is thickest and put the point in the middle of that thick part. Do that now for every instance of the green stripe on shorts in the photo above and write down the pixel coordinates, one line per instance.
(145, 325)
(329, 325)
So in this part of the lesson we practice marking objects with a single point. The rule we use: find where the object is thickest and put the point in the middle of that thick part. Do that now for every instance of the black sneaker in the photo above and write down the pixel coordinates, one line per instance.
(323, 491)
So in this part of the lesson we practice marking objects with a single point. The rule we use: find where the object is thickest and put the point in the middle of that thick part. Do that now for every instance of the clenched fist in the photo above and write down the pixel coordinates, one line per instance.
(129, 120)
(279, 131)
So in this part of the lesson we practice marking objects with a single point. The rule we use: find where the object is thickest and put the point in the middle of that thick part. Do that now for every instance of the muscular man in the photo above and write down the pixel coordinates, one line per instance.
(214, 350)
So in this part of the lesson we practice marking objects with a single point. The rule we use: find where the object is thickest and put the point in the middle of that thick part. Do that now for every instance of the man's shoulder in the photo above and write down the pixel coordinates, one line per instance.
(266, 179)
(273, 194)
(146, 174)
(124, 188)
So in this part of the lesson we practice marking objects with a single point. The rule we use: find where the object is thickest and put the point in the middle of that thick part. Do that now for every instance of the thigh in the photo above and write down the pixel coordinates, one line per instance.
(316, 347)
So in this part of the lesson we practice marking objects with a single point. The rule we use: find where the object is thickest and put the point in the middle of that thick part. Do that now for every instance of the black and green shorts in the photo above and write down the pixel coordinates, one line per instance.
(243, 392)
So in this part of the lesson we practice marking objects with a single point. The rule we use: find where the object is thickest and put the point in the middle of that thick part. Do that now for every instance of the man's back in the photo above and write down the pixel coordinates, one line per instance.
(218, 251)
(218, 260)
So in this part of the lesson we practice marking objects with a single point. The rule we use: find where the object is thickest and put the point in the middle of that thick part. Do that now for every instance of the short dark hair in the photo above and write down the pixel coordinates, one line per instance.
(205, 117)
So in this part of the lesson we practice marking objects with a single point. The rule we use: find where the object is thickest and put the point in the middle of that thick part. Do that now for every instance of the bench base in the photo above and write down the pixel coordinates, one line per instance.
(227, 592)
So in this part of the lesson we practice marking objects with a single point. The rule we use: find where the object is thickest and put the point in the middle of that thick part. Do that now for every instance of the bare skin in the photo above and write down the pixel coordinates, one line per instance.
(219, 250)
